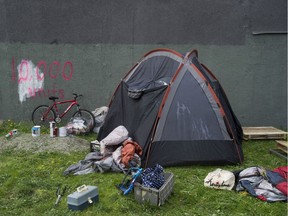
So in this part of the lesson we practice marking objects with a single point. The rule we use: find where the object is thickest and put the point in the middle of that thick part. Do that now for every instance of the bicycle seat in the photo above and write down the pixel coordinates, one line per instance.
(53, 98)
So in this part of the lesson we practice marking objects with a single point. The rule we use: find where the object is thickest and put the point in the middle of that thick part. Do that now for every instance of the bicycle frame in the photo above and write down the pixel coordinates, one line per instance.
(55, 103)
(44, 114)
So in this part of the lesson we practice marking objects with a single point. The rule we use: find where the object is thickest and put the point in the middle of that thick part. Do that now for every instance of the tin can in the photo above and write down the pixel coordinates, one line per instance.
(56, 131)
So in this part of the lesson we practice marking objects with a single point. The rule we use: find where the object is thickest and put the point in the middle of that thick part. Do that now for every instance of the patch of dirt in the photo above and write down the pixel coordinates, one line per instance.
(43, 143)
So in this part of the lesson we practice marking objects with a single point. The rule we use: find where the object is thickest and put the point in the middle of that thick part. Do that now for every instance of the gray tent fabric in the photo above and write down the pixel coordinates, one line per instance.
(187, 111)
(92, 163)
(176, 109)
(85, 164)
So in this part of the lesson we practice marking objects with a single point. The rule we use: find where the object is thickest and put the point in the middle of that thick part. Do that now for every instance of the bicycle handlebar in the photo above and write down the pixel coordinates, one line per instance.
(76, 95)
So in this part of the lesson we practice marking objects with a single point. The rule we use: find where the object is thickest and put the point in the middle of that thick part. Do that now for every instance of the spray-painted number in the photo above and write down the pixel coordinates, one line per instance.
(54, 70)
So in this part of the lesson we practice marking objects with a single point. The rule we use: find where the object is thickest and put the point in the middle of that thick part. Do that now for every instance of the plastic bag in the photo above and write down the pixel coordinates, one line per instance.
(99, 114)
(77, 125)
(220, 179)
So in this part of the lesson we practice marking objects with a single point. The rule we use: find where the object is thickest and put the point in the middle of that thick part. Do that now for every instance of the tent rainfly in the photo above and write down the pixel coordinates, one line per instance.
(175, 108)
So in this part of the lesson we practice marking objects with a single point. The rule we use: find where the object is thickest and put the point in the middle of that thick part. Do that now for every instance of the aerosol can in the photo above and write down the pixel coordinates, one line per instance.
(52, 129)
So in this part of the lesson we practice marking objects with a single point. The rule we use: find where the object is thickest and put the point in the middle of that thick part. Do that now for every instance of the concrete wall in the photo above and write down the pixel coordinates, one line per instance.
(59, 47)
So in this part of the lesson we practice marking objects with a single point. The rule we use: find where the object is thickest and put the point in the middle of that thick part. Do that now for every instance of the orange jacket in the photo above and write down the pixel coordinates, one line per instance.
(129, 149)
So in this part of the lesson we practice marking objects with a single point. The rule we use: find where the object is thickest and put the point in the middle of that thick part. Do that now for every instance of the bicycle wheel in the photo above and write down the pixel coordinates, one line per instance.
(87, 116)
(38, 117)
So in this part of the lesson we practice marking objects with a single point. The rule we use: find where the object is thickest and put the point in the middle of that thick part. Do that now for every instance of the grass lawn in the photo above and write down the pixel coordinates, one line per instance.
(28, 183)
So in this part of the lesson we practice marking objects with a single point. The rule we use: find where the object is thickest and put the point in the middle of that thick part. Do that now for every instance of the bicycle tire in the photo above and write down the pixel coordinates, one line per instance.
(37, 116)
(88, 116)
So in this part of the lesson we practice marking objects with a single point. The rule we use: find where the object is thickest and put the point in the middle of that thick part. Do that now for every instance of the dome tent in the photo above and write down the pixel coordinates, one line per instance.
(177, 111)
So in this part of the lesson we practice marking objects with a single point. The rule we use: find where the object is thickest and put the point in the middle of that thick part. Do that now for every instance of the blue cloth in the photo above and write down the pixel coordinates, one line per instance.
(274, 177)
(153, 177)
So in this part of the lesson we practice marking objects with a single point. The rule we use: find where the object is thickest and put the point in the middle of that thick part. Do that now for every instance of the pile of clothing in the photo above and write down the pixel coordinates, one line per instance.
(264, 184)
(117, 152)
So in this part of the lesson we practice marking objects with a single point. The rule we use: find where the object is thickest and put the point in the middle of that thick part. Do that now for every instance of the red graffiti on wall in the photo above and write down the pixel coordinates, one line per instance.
(53, 70)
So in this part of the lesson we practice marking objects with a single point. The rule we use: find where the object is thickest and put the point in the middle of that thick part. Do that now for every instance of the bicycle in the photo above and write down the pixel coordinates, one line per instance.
(44, 114)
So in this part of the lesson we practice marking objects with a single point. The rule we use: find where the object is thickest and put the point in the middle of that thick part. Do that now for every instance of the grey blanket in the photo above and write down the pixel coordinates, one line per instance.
(93, 162)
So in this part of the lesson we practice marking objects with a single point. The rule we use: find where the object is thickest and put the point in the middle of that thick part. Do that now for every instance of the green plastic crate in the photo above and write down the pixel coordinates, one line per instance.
(153, 196)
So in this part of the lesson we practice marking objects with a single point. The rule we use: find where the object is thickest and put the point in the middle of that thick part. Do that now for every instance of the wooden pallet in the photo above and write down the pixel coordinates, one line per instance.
(282, 145)
(259, 133)
(279, 153)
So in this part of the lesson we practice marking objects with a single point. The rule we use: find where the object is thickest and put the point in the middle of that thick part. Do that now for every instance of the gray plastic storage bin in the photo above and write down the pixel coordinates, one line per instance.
(153, 196)
(83, 197)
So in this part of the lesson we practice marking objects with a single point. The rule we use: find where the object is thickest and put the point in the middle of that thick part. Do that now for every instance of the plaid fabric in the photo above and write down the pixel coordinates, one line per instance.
(153, 177)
